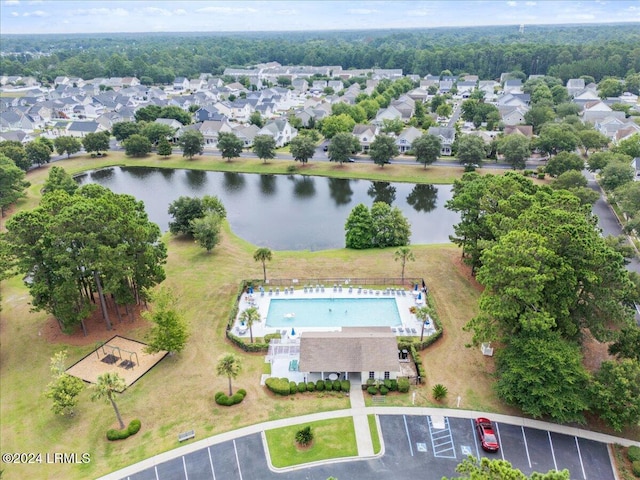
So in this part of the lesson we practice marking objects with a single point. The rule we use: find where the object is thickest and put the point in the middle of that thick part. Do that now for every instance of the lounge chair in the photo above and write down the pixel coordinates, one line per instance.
(350, 289)
(271, 291)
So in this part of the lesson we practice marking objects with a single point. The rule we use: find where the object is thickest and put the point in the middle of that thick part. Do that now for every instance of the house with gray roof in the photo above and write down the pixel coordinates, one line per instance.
(368, 352)
(447, 135)
(406, 138)
(281, 131)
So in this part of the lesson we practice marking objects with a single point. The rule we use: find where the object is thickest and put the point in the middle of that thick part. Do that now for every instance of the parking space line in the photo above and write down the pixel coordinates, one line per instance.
(526, 447)
(475, 437)
(584, 475)
(442, 440)
(499, 441)
(155, 467)
(237, 459)
(553, 453)
(211, 463)
(184, 464)
(406, 428)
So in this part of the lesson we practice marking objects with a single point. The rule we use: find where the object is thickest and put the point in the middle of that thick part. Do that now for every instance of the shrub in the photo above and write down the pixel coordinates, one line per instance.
(403, 385)
(304, 436)
(226, 401)
(218, 395)
(394, 385)
(439, 391)
(383, 390)
(293, 388)
(336, 386)
(270, 336)
(635, 468)
(242, 392)
(279, 386)
(302, 387)
(134, 427)
(236, 398)
(292, 169)
(541, 176)
(311, 386)
(371, 381)
(320, 385)
(373, 390)
(633, 453)
(387, 383)
(345, 385)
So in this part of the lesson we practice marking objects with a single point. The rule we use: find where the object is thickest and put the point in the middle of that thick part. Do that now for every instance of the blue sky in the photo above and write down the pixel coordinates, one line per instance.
(87, 16)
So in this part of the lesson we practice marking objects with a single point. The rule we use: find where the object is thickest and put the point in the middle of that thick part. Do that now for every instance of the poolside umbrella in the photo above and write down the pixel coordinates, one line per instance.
(250, 289)
(293, 332)
(420, 296)
(415, 287)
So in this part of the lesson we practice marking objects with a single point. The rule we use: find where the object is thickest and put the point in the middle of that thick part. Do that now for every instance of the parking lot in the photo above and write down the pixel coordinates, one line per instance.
(415, 446)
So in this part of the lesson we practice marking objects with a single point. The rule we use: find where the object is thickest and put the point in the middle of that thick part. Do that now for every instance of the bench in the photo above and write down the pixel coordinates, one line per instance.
(186, 435)
(378, 400)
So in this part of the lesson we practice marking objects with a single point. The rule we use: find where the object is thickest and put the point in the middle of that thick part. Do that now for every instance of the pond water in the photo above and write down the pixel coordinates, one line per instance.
(283, 212)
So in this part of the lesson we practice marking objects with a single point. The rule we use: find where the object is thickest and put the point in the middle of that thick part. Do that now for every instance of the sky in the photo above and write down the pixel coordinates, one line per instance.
(97, 16)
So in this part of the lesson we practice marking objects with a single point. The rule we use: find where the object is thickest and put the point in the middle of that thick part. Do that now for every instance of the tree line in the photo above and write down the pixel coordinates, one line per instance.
(551, 281)
(563, 51)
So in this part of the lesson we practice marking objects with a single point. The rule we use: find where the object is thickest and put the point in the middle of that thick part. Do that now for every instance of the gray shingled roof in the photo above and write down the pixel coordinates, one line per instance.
(354, 349)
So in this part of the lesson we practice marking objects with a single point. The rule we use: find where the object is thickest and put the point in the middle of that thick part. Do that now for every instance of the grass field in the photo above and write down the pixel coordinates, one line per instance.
(178, 394)
(332, 438)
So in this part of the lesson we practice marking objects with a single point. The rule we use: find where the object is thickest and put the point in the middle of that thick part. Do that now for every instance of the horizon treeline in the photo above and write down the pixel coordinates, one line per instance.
(567, 51)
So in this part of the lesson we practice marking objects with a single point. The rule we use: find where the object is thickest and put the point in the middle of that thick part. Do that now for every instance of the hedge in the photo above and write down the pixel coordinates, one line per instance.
(279, 386)
(222, 399)
(372, 390)
(345, 385)
(633, 453)
(635, 468)
(132, 429)
(403, 385)
(320, 385)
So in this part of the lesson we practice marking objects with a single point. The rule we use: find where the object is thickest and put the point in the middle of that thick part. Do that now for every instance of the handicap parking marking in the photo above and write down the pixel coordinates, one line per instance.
(442, 440)
(421, 447)
(466, 450)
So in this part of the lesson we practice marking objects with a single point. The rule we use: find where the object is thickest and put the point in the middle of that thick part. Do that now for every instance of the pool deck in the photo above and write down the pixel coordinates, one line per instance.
(261, 300)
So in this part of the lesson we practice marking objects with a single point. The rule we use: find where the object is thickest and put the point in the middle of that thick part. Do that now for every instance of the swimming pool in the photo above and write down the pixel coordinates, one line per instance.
(333, 312)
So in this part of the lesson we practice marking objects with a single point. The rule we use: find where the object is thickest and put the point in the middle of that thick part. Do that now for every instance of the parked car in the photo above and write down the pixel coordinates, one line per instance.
(325, 148)
(488, 438)
(351, 160)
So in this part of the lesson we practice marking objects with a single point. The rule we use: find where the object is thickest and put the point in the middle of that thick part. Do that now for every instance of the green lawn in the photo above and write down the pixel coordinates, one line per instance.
(333, 438)
(375, 438)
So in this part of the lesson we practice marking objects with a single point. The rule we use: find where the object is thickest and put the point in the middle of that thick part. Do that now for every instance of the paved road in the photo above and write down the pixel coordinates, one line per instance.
(414, 446)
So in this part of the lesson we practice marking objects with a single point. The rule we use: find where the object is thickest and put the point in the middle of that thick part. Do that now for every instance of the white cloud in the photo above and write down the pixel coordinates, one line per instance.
(15, 14)
(36, 13)
(226, 10)
(530, 4)
(180, 11)
(361, 11)
(512, 4)
(422, 12)
(12, 2)
(101, 12)
(287, 12)
(35, 2)
(163, 12)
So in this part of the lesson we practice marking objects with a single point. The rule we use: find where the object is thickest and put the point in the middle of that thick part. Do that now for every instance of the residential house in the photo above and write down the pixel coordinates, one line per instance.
(466, 87)
(356, 352)
(365, 134)
(389, 113)
(525, 130)
(15, 136)
(406, 138)
(240, 110)
(513, 85)
(80, 129)
(281, 131)
(512, 115)
(447, 135)
(246, 133)
(210, 130)
(174, 124)
(337, 85)
(575, 86)
(208, 112)
(598, 110)
(181, 84)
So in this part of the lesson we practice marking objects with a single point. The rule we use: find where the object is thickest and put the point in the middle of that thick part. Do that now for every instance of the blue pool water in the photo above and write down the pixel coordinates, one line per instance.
(333, 312)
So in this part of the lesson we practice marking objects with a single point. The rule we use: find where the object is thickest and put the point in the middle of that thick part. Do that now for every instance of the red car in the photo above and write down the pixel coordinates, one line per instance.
(488, 438)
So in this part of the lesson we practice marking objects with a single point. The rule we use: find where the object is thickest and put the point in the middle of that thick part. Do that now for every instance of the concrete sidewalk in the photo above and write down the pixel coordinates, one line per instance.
(363, 435)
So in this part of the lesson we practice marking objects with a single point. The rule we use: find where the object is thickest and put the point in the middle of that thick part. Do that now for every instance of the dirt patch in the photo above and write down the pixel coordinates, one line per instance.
(594, 352)
(96, 327)
(118, 355)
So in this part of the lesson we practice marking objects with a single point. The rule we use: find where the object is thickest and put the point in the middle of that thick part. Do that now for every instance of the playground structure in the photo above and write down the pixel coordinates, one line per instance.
(119, 355)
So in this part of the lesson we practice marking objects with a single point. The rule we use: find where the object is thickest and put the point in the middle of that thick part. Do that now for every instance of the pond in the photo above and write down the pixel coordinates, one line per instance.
(283, 212)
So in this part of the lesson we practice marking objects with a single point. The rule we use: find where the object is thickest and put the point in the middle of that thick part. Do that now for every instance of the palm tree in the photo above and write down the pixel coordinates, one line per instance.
(228, 365)
(108, 384)
(404, 254)
(422, 314)
(263, 255)
(249, 317)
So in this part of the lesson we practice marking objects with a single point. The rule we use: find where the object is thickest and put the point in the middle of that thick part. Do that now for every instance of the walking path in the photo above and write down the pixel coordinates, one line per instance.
(360, 420)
